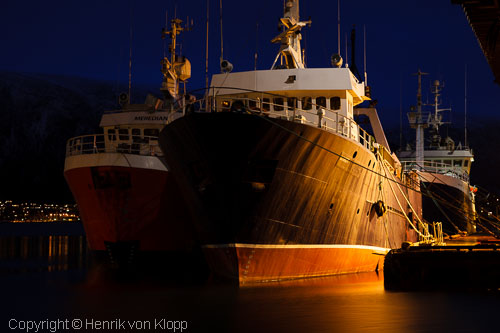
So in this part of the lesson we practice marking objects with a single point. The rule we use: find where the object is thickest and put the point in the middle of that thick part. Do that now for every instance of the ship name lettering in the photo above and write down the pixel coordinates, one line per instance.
(151, 118)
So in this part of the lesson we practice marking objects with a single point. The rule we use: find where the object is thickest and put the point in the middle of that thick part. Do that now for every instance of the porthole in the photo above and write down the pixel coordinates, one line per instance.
(355, 154)
(370, 162)
(357, 212)
(331, 205)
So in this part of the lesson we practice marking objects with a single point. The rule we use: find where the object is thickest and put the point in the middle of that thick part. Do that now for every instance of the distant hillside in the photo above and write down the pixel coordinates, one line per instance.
(38, 114)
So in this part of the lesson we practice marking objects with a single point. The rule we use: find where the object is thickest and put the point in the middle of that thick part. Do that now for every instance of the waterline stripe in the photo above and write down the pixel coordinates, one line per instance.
(298, 246)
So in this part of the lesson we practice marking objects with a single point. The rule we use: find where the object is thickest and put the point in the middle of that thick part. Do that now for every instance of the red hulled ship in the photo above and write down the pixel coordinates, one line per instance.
(127, 197)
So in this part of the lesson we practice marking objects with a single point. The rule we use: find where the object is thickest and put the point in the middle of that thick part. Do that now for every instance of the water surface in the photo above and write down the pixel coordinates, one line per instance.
(52, 277)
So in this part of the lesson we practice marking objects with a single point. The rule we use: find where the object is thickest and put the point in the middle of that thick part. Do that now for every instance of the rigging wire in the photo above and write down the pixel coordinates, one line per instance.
(381, 193)
(390, 179)
(440, 209)
(449, 196)
(425, 237)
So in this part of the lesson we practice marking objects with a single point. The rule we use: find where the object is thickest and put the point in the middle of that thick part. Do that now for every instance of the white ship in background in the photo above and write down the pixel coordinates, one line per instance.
(443, 166)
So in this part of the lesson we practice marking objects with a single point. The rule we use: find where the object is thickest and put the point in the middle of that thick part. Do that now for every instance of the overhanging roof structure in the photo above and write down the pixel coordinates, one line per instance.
(484, 18)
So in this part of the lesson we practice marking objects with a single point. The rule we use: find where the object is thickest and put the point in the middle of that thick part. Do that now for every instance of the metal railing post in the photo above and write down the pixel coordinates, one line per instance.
(261, 102)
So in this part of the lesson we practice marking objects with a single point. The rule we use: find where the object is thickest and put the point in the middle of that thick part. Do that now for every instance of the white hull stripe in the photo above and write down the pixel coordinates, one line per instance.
(114, 159)
(297, 246)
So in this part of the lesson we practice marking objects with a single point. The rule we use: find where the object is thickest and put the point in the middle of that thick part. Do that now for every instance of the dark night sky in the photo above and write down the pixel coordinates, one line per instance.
(91, 39)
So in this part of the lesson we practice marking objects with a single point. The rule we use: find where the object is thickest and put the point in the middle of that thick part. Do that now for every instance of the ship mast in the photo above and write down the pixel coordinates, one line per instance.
(436, 119)
(177, 69)
(418, 122)
(290, 38)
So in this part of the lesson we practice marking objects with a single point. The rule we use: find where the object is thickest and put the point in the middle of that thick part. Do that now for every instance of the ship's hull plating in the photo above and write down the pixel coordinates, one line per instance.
(257, 262)
(447, 200)
(130, 205)
(272, 199)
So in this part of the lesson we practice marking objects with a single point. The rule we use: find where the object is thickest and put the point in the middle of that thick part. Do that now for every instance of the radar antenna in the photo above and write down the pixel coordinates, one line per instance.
(290, 38)
(178, 68)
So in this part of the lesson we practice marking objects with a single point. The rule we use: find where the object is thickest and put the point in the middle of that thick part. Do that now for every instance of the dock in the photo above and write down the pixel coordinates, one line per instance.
(463, 263)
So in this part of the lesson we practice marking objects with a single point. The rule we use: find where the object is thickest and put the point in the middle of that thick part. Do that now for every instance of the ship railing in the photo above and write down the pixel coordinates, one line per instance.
(99, 143)
(436, 167)
(458, 148)
(317, 116)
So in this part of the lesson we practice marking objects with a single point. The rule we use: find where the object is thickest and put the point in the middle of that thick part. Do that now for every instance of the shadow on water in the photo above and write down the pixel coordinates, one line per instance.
(54, 277)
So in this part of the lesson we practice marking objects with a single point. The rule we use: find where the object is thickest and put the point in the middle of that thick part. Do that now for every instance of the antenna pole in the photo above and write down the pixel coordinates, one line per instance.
(465, 105)
(206, 55)
(256, 45)
(346, 64)
(419, 144)
(400, 111)
(221, 39)
(164, 40)
(338, 28)
(130, 57)
(364, 54)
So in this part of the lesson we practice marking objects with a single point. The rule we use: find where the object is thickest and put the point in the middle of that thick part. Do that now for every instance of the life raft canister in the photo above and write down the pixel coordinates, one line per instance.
(379, 208)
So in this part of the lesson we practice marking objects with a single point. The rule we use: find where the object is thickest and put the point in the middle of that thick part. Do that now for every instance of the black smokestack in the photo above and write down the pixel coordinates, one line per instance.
(354, 69)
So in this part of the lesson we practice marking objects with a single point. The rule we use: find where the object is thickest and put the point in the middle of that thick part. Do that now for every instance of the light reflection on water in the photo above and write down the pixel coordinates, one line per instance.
(345, 303)
(21, 254)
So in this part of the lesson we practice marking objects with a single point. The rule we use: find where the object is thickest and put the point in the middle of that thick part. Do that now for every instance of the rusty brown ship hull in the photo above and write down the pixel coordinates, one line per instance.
(274, 199)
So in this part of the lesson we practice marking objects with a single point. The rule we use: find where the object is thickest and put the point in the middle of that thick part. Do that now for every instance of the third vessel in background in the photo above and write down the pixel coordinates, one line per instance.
(443, 168)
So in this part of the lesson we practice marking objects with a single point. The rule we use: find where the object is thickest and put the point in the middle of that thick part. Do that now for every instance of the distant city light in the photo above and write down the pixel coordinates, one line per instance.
(37, 212)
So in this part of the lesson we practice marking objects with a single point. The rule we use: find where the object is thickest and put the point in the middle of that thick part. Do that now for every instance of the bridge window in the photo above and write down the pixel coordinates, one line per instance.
(306, 103)
(320, 102)
(252, 104)
(335, 103)
(457, 163)
(466, 163)
(152, 132)
(136, 135)
(123, 134)
(278, 104)
(291, 102)
(111, 135)
(265, 105)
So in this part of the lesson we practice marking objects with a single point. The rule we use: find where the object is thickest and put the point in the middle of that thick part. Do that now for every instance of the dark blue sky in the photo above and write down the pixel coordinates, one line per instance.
(91, 39)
